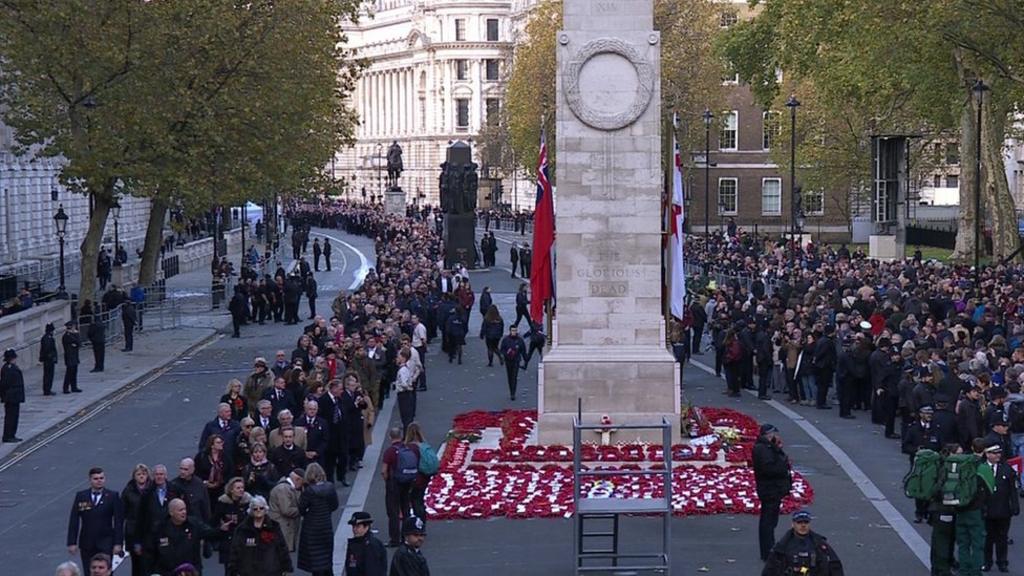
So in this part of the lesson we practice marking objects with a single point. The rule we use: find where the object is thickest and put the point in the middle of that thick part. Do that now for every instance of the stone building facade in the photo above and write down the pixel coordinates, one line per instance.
(436, 73)
(30, 193)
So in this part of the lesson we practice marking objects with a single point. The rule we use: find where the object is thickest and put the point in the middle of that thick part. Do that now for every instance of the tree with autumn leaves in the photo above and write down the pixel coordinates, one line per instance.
(894, 67)
(191, 103)
(691, 76)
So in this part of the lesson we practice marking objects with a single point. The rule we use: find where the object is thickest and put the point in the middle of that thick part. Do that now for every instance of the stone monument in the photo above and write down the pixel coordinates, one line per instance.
(458, 183)
(608, 345)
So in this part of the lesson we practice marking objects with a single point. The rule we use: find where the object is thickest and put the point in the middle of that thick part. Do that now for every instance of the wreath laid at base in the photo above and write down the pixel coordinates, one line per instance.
(515, 478)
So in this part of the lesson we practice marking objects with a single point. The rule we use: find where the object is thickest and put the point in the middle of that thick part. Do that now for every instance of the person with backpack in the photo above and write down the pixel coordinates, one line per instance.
(965, 483)
(400, 465)
(922, 445)
(512, 349)
(942, 518)
(731, 359)
(427, 466)
(1001, 505)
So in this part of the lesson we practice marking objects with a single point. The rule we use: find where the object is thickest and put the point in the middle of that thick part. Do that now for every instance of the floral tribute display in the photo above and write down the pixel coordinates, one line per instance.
(490, 468)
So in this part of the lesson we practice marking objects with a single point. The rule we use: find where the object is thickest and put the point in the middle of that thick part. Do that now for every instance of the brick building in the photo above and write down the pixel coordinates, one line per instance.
(745, 184)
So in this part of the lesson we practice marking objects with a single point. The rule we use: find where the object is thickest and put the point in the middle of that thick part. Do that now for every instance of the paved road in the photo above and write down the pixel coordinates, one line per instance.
(159, 423)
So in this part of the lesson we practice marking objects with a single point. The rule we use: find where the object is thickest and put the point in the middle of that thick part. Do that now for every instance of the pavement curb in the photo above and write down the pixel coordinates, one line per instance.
(42, 438)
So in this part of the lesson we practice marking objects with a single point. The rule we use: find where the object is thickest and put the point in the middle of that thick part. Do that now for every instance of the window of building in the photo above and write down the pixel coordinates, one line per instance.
(937, 181)
(952, 181)
(771, 197)
(460, 29)
(727, 199)
(462, 114)
(772, 122)
(814, 203)
(491, 69)
(953, 154)
(728, 19)
(492, 29)
(727, 136)
(461, 70)
(493, 106)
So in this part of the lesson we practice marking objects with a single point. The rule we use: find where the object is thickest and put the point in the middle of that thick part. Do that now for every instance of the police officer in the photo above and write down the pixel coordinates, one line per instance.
(71, 342)
(921, 435)
(408, 559)
(802, 551)
(12, 394)
(365, 555)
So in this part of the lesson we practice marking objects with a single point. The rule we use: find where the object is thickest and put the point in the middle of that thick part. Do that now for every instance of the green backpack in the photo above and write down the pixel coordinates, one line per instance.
(922, 482)
(959, 479)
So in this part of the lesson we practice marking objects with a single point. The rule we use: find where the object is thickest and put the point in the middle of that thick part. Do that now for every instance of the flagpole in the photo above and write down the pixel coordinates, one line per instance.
(666, 202)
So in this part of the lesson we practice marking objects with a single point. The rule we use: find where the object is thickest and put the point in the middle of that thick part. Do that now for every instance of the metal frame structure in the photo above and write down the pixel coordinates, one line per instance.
(608, 510)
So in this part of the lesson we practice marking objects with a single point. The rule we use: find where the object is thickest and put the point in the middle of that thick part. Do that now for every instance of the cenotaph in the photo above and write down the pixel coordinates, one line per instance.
(608, 340)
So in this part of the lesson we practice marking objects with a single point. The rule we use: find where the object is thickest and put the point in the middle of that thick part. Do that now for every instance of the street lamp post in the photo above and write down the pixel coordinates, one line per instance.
(244, 221)
(979, 88)
(708, 118)
(792, 104)
(61, 220)
(380, 166)
(115, 211)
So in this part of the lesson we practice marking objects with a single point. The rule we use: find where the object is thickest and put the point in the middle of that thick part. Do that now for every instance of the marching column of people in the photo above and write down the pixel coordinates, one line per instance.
(265, 479)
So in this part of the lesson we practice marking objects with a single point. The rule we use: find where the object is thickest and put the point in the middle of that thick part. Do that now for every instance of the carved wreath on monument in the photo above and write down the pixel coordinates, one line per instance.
(644, 91)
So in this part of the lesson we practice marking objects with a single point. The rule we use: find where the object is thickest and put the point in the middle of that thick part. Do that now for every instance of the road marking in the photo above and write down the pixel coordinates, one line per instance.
(364, 265)
(899, 524)
(117, 396)
(361, 485)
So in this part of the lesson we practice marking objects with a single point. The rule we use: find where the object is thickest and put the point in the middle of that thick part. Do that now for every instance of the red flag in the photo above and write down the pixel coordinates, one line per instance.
(541, 278)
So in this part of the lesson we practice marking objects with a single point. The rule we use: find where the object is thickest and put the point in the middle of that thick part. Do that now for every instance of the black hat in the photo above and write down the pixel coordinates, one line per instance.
(413, 525)
(69, 323)
(768, 429)
(997, 392)
(941, 397)
(360, 518)
(10, 354)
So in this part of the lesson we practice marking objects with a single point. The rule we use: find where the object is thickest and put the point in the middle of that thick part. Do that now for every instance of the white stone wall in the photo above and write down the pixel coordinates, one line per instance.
(27, 229)
(408, 92)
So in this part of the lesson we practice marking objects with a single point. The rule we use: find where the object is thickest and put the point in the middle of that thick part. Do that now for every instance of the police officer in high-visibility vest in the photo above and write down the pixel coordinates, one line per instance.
(802, 551)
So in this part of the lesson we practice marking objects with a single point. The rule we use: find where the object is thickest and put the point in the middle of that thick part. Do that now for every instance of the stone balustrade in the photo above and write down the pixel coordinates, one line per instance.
(23, 330)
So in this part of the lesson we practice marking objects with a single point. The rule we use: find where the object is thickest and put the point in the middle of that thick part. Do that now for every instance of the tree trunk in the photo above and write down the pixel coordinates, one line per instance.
(998, 201)
(91, 243)
(154, 239)
(964, 249)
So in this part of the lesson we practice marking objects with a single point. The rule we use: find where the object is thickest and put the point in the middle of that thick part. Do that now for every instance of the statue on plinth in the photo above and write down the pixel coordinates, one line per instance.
(394, 164)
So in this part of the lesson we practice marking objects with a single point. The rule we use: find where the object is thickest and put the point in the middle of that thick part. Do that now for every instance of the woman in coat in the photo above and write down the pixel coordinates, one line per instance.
(230, 508)
(491, 330)
(132, 501)
(213, 466)
(233, 397)
(259, 474)
(258, 547)
(316, 540)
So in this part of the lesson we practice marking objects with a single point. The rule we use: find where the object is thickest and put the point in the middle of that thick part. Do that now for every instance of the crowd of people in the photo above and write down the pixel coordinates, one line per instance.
(931, 352)
(262, 482)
